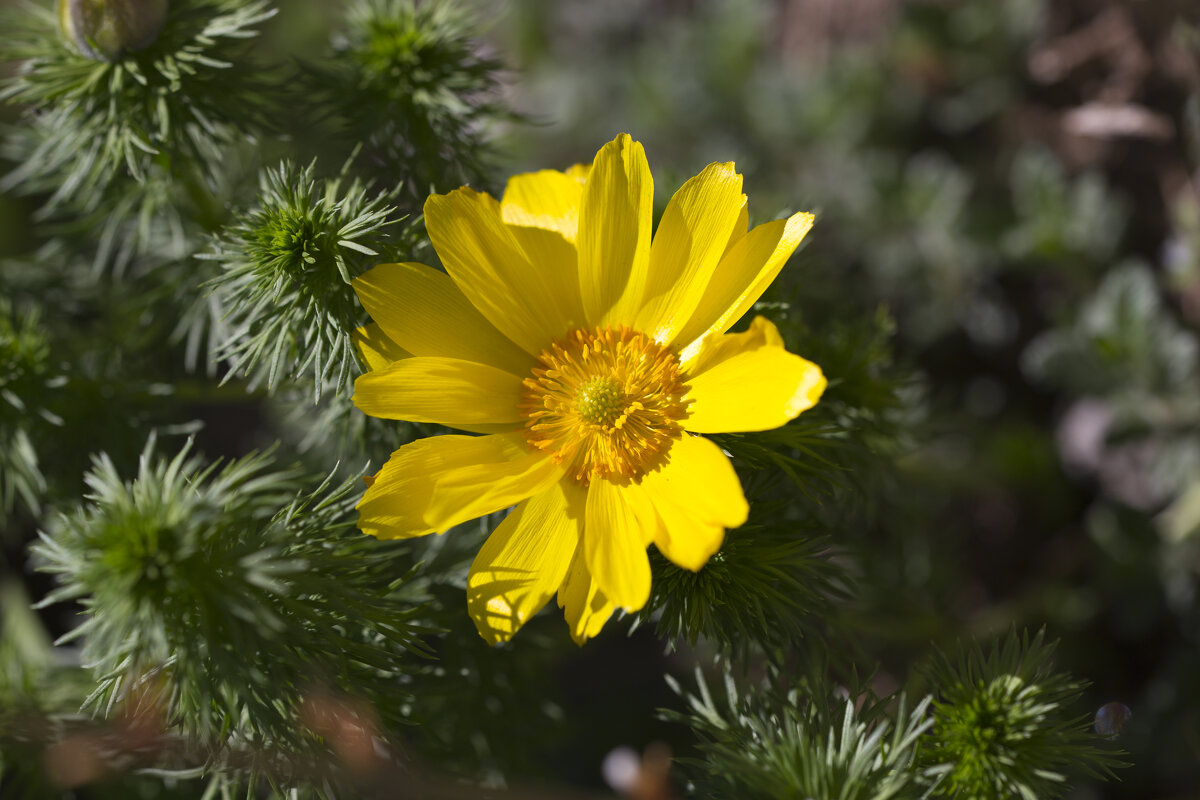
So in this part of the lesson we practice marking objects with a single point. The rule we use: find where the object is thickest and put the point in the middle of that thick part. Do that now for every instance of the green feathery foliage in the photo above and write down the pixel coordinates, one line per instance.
(282, 305)
(25, 371)
(126, 142)
(229, 595)
(333, 430)
(26, 653)
(409, 82)
(803, 740)
(768, 586)
(1003, 727)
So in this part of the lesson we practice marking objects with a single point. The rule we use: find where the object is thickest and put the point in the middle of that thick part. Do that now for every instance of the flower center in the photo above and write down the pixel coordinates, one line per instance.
(599, 401)
(606, 403)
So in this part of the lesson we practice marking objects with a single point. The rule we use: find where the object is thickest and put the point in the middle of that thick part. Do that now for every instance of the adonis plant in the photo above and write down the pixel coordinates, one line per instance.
(341, 342)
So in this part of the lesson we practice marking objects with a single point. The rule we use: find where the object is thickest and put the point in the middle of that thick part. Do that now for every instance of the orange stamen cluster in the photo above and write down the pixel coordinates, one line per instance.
(606, 403)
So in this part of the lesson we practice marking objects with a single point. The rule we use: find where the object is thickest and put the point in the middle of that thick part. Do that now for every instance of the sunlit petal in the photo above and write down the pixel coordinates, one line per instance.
(548, 199)
(525, 561)
(743, 274)
(436, 483)
(697, 495)
(375, 348)
(739, 228)
(620, 523)
(425, 313)
(544, 246)
(523, 299)
(614, 233)
(447, 391)
(585, 607)
(750, 383)
(692, 234)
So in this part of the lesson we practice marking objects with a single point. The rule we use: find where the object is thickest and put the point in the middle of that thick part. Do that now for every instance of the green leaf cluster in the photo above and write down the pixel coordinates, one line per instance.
(409, 84)
(282, 305)
(229, 595)
(124, 144)
(995, 726)
(805, 739)
(25, 370)
(1003, 725)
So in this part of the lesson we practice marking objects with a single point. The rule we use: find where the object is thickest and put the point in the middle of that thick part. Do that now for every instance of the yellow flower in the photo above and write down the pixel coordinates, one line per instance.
(587, 354)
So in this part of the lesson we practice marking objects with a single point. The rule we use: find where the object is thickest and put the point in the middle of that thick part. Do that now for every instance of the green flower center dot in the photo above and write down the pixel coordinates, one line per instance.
(599, 401)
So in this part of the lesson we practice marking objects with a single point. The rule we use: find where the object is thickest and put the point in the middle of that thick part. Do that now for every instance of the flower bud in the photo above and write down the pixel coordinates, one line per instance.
(105, 29)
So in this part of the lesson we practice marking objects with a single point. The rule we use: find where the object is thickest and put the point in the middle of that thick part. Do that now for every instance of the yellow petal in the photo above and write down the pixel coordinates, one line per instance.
(750, 383)
(424, 312)
(697, 496)
(615, 224)
(579, 172)
(529, 302)
(433, 484)
(375, 348)
(525, 561)
(544, 246)
(761, 333)
(585, 607)
(740, 227)
(741, 277)
(692, 234)
(620, 523)
(448, 391)
(548, 199)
